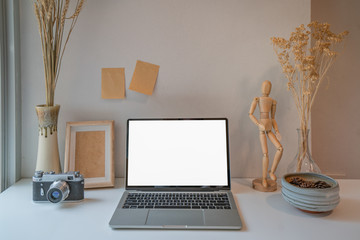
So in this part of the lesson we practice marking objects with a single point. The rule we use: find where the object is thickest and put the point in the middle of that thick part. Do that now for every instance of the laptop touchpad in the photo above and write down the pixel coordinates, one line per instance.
(175, 217)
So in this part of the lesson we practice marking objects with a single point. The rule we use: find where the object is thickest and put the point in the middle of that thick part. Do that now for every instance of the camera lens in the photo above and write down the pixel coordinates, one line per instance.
(58, 191)
(55, 195)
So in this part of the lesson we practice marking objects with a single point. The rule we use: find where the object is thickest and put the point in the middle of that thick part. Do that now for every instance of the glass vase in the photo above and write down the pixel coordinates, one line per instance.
(303, 161)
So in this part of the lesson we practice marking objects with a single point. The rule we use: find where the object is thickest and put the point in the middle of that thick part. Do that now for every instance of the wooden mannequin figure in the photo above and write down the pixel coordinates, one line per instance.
(267, 121)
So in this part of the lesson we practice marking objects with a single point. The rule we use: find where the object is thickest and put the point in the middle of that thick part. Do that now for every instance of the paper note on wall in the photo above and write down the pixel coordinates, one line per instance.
(144, 77)
(113, 83)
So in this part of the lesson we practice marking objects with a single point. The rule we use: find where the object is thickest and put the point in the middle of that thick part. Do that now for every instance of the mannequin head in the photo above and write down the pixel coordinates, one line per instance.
(266, 88)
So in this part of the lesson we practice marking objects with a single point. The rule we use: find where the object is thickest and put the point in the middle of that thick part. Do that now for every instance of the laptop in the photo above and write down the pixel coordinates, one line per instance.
(177, 176)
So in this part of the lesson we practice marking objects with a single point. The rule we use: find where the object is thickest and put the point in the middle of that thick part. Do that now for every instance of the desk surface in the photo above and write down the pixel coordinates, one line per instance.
(264, 215)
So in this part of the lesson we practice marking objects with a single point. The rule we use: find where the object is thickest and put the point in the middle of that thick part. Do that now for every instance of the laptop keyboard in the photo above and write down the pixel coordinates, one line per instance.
(177, 201)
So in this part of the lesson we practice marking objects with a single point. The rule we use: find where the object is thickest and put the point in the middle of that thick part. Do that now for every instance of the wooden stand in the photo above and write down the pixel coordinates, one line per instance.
(257, 185)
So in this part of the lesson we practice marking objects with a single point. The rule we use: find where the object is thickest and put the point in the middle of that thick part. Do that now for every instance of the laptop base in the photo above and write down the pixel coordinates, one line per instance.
(224, 219)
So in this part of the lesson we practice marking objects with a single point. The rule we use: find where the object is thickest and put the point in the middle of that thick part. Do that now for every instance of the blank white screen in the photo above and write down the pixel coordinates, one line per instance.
(177, 153)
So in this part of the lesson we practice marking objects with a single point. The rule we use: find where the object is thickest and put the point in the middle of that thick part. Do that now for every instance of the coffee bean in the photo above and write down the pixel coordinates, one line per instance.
(297, 181)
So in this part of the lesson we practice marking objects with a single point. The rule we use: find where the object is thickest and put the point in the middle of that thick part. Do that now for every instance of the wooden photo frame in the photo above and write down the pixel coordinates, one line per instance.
(89, 148)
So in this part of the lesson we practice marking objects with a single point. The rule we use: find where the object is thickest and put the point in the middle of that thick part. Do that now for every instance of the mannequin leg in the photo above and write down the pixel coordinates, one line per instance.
(265, 159)
(277, 156)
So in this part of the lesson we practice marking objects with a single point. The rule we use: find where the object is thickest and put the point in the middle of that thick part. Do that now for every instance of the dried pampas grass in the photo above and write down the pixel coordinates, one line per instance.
(51, 16)
(305, 59)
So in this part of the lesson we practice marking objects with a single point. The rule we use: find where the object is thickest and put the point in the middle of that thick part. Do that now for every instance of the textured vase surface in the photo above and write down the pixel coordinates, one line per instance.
(48, 151)
(303, 161)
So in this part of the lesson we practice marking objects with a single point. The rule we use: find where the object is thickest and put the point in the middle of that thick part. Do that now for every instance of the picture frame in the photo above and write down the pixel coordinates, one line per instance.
(89, 149)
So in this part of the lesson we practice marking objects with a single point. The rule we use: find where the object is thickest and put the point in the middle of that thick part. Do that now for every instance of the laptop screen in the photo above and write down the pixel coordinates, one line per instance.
(177, 153)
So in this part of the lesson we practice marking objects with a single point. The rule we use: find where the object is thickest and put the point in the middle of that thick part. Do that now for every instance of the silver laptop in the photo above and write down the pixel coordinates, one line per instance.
(177, 176)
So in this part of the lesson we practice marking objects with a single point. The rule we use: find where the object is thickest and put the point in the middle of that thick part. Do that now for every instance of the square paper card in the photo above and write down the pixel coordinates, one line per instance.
(144, 77)
(113, 83)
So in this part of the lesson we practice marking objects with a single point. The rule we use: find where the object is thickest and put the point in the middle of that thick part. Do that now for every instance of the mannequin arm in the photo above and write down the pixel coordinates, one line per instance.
(274, 123)
(252, 117)
(275, 126)
(273, 111)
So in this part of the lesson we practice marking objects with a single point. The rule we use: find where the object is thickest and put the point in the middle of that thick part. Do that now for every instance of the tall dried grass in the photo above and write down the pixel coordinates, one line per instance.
(51, 16)
(305, 59)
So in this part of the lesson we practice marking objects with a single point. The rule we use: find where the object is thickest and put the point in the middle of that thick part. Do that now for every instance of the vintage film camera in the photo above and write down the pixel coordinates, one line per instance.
(58, 187)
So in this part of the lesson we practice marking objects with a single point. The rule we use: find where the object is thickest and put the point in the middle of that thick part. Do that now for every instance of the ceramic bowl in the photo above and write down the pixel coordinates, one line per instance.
(311, 199)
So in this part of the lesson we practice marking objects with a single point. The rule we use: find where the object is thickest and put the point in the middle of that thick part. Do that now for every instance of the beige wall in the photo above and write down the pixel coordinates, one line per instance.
(213, 57)
(336, 112)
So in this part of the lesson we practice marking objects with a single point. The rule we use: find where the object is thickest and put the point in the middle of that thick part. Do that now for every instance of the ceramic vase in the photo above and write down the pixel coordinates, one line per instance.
(303, 161)
(48, 151)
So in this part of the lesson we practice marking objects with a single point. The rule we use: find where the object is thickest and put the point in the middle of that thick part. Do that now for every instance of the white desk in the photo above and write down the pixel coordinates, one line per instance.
(265, 216)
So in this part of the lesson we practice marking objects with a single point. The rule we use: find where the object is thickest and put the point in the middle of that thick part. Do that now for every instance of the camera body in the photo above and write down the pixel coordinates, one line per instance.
(51, 187)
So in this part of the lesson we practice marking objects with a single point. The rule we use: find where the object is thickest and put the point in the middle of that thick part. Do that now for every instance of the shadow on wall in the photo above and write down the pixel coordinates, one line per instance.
(243, 133)
(246, 156)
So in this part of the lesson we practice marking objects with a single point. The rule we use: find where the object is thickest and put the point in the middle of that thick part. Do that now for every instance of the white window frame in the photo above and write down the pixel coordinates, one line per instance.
(10, 94)
(2, 77)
